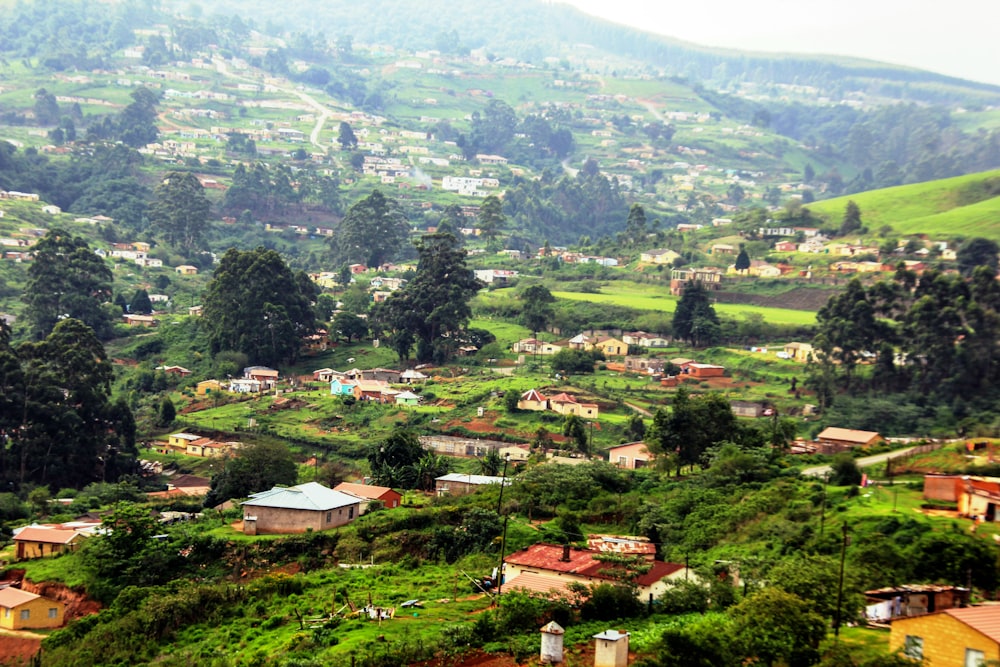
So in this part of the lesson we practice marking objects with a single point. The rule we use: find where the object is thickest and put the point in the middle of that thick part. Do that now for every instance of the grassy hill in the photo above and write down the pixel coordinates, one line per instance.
(960, 206)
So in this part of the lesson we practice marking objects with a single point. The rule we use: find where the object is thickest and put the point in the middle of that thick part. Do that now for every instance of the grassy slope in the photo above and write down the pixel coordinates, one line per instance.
(922, 208)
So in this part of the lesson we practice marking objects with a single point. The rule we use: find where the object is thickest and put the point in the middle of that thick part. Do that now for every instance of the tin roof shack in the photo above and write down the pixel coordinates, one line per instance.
(885, 604)
(833, 439)
(460, 484)
(296, 509)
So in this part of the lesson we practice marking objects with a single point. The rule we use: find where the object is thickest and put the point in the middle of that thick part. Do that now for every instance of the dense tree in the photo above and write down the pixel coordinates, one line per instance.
(67, 429)
(372, 232)
(773, 627)
(46, 108)
(570, 361)
(576, 429)
(976, 252)
(67, 280)
(491, 220)
(349, 326)
(852, 219)
(254, 468)
(401, 461)
(432, 309)
(536, 308)
(694, 318)
(345, 136)
(742, 259)
(167, 412)
(140, 303)
(635, 224)
(693, 426)
(254, 304)
(180, 210)
(136, 125)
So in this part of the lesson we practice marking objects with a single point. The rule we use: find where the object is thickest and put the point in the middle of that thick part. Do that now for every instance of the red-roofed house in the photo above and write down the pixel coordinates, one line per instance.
(564, 564)
(21, 610)
(368, 492)
(630, 456)
(964, 636)
(38, 542)
(565, 404)
(533, 400)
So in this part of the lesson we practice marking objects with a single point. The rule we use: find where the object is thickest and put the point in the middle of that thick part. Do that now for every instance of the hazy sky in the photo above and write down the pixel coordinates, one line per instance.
(956, 37)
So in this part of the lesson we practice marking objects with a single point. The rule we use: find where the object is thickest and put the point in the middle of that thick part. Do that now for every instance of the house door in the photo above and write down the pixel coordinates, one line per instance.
(991, 512)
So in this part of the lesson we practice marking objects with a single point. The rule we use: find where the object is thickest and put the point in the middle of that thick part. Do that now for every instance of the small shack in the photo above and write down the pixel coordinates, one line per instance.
(552, 644)
(611, 649)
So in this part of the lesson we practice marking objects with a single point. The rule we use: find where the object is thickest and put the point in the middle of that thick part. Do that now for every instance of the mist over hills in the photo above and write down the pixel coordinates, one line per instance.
(533, 30)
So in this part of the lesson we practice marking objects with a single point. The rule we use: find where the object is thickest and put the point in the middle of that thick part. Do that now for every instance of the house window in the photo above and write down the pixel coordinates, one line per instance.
(329, 517)
(913, 647)
(974, 658)
(623, 461)
(53, 612)
(350, 513)
(25, 614)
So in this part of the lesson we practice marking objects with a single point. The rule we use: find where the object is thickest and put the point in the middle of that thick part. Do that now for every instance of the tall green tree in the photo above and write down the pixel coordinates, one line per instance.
(180, 210)
(253, 469)
(67, 280)
(140, 303)
(68, 427)
(852, 219)
(694, 318)
(136, 125)
(491, 220)
(635, 225)
(345, 136)
(742, 259)
(976, 252)
(255, 304)
(432, 309)
(372, 232)
(536, 308)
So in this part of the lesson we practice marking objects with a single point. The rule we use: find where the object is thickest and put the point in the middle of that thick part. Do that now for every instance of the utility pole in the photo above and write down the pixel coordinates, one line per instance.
(840, 585)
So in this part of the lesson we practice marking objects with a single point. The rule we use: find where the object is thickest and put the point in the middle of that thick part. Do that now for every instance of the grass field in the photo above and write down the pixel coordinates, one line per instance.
(655, 298)
(929, 208)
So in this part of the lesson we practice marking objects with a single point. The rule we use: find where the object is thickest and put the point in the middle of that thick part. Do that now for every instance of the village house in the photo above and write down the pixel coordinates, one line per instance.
(325, 375)
(533, 400)
(381, 375)
(800, 352)
(834, 439)
(548, 568)
(268, 377)
(534, 346)
(565, 404)
(139, 320)
(368, 492)
(631, 456)
(623, 545)
(207, 387)
(21, 610)
(409, 376)
(611, 347)
(296, 509)
(342, 387)
(702, 371)
(42, 541)
(643, 339)
(245, 386)
(680, 279)
(645, 365)
(659, 256)
(966, 636)
(747, 408)
(407, 398)
(460, 484)
(373, 390)
(186, 270)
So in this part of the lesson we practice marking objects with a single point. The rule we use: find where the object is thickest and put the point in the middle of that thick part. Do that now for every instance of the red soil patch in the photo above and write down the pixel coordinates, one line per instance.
(18, 650)
(475, 659)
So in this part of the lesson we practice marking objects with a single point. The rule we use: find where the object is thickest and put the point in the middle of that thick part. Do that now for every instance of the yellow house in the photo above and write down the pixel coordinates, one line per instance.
(962, 636)
(206, 387)
(182, 440)
(611, 347)
(801, 352)
(39, 542)
(21, 610)
(187, 270)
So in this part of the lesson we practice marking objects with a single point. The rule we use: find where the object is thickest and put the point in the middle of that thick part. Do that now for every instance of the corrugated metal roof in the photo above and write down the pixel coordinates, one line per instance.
(582, 562)
(14, 597)
(470, 479)
(362, 490)
(538, 583)
(308, 496)
(46, 535)
(846, 434)
(984, 619)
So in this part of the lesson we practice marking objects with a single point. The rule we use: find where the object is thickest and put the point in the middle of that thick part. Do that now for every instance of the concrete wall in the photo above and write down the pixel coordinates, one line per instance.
(276, 521)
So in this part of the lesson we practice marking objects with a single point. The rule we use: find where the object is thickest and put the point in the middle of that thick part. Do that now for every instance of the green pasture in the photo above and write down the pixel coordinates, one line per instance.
(666, 303)
(929, 208)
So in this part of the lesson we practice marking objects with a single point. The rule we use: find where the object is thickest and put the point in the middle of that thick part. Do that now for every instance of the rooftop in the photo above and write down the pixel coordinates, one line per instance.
(309, 496)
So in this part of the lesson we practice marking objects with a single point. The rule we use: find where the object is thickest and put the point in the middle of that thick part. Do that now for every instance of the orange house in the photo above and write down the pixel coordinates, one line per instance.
(705, 370)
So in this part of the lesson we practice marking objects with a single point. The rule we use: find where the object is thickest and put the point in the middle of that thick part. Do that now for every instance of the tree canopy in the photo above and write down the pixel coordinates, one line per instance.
(694, 319)
(256, 305)
(432, 309)
(372, 232)
(67, 280)
(180, 210)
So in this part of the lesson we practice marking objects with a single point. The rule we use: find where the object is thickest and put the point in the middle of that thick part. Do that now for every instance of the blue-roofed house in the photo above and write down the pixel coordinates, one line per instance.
(297, 509)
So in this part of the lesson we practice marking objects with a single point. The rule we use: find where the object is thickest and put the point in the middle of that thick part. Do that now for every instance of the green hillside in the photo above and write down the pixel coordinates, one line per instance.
(961, 206)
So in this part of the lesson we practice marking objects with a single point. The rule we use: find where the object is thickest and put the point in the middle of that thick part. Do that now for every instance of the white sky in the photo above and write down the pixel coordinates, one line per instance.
(955, 37)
